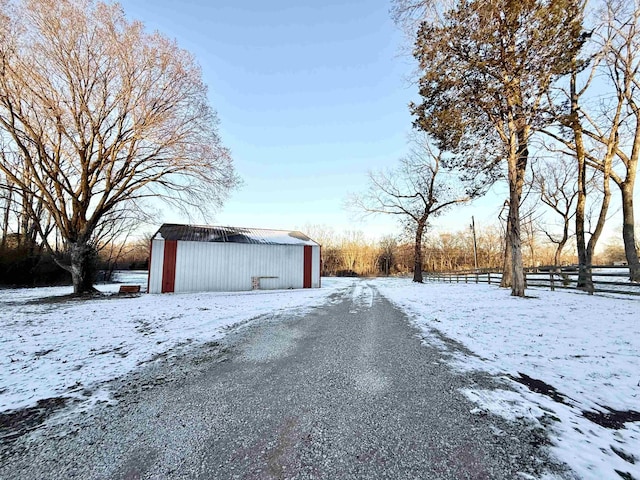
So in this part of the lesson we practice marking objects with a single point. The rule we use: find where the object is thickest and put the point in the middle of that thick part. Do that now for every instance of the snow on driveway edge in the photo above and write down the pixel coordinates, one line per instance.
(587, 347)
(67, 348)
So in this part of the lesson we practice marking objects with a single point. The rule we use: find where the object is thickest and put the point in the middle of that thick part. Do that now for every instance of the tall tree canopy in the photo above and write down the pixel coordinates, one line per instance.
(97, 115)
(486, 67)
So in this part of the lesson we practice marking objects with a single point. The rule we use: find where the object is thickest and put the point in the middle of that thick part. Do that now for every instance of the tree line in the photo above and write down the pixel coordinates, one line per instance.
(351, 253)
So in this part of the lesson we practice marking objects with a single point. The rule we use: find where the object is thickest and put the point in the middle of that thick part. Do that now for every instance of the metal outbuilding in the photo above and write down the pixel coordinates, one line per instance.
(190, 258)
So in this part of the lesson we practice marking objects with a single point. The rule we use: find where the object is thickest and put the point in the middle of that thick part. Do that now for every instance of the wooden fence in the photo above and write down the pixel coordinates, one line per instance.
(606, 278)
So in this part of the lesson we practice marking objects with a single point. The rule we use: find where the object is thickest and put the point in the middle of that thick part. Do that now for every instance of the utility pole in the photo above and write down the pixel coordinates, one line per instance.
(475, 243)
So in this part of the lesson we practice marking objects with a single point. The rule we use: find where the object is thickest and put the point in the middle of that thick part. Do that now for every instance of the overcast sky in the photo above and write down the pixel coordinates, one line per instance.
(310, 98)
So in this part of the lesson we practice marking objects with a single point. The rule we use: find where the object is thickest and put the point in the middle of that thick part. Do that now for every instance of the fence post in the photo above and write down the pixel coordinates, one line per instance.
(551, 272)
(489, 278)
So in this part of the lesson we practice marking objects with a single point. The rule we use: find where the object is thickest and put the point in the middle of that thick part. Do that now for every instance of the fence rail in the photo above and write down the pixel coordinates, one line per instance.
(606, 278)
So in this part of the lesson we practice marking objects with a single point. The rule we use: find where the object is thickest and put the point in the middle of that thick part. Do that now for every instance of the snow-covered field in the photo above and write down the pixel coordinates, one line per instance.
(587, 347)
(51, 348)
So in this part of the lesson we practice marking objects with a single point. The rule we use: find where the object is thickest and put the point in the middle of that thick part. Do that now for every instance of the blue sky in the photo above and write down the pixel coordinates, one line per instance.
(310, 98)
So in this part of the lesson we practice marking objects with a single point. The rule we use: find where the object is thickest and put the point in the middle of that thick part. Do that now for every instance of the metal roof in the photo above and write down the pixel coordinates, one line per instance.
(198, 233)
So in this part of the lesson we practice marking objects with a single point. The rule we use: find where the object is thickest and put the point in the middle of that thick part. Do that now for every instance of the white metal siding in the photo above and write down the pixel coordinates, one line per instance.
(155, 267)
(315, 267)
(206, 266)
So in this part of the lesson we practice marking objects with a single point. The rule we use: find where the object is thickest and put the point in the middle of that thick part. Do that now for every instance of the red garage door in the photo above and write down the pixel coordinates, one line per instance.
(306, 283)
(169, 266)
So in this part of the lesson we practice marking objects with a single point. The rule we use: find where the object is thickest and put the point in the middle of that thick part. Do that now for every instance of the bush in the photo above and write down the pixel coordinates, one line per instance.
(346, 273)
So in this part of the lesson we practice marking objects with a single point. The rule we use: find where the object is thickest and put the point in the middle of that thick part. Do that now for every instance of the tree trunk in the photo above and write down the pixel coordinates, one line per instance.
(7, 211)
(417, 254)
(602, 217)
(558, 253)
(513, 232)
(585, 280)
(507, 269)
(563, 241)
(82, 267)
(24, 220)
(628, 234)
(517, 164)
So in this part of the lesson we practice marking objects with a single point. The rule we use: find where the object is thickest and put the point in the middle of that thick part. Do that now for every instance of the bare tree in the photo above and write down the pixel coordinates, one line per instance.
(487, 66)
(24, 213)
(490, 247)
(555, 183)
(416, 191)
(323, 234)
(586, 154)
(606, 130)
(449, 245)
(620, 44)
(102, 115)
(388, 251)
(592, 132)
(530, 230)
(351, 244)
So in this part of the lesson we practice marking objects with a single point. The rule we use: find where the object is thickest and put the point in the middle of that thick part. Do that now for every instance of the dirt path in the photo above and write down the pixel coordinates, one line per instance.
(346, 392)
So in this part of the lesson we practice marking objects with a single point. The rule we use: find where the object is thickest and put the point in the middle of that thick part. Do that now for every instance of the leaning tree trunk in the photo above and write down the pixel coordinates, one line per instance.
(417, 254)
(563, 241)
(586, 249)
(628, 234)
(558, 254)
(585, 252)
(597, 231)
(82, 267)
(585, 280)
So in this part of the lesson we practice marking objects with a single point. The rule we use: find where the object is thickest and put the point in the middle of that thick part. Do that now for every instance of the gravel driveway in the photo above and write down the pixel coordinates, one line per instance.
(349, 391)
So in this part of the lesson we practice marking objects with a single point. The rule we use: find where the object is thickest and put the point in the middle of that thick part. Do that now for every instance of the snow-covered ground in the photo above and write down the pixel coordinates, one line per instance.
(587, 347)
(52, 348)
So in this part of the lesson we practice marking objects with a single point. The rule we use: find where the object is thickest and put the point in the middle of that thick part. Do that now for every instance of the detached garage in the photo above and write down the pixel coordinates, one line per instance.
(189, 258)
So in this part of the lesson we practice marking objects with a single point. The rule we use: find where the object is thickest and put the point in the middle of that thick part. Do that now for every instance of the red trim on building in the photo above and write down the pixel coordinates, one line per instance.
(149, 265)
(169, 266)
(308, 255)
(320, 272)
